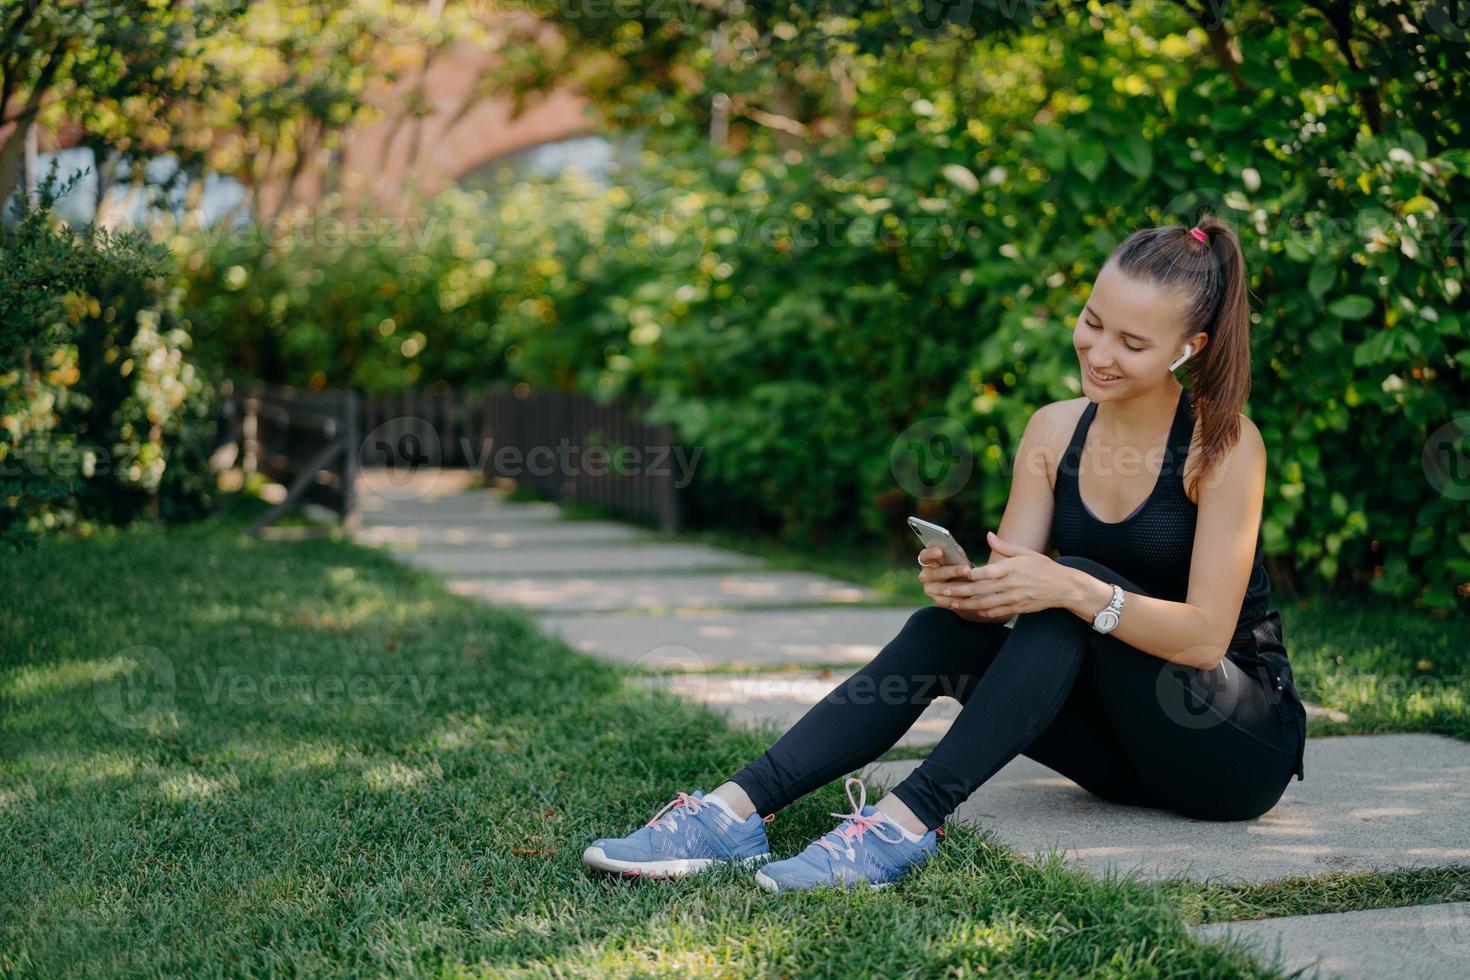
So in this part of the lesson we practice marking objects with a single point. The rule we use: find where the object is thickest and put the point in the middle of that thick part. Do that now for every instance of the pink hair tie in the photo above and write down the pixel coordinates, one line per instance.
(1199, 234)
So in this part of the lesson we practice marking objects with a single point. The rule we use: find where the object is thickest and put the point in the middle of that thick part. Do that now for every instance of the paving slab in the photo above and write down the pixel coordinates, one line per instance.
(560, 592)
(383, 495)
(380, 483)
(1368, 802)
(470, 532)
(1426, 942)
(781, 698)
(489, 510)
(745, 638)
(591, 560)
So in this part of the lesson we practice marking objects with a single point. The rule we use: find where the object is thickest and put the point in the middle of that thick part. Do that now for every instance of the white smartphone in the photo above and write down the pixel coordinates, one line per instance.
(935, 536)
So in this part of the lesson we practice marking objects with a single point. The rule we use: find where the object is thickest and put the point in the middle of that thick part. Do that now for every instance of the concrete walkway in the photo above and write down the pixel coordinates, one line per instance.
(1422, 942)
(1368, 802)
(763, 646)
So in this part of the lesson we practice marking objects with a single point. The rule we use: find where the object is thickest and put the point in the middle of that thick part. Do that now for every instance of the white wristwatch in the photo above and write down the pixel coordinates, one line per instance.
(1105, 620)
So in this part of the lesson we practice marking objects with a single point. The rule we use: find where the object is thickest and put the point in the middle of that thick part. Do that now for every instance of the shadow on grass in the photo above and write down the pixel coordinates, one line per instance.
(221, 752)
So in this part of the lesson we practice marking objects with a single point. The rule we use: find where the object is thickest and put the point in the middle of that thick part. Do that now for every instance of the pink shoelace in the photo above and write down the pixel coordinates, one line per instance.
(859, 824)
(684, 803)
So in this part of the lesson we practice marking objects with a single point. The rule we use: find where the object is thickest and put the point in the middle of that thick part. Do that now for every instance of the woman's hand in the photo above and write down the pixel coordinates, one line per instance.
(1022, 581)
(936, 577)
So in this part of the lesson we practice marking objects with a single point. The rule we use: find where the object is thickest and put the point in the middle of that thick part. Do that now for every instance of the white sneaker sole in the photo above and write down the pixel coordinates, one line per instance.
(594, 857)
(770, 884)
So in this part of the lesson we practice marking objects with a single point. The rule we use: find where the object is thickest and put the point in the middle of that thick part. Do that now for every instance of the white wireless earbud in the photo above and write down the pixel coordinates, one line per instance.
(1188, 350)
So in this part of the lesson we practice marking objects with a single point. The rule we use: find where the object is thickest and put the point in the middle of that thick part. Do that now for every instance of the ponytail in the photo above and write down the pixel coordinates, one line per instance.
(1211, 277)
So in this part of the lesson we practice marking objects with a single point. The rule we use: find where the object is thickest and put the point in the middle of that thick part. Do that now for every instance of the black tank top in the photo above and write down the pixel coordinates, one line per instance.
(1153, 547)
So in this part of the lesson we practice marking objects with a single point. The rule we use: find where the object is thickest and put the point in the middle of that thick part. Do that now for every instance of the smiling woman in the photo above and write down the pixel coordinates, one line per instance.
(1141, 707)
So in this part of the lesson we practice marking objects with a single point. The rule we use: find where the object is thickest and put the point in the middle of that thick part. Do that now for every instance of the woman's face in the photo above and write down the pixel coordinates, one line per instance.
(1128, 332)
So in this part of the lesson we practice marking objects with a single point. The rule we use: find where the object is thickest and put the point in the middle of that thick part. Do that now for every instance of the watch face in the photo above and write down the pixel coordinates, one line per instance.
(1106, 620)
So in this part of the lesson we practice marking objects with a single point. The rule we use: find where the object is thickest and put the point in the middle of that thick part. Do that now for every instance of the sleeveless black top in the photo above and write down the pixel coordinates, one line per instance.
(1153, 547)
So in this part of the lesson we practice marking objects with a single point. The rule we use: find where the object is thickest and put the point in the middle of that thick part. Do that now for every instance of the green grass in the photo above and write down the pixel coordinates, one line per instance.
(1389, 669)
(223, 754)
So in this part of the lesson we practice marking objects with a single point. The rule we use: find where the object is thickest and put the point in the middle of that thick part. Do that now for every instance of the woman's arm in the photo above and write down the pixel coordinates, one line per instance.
(1027, 518)
(1198, 631)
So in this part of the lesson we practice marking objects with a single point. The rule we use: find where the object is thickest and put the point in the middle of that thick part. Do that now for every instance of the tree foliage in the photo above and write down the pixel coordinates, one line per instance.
(103, 418)
(902, 220)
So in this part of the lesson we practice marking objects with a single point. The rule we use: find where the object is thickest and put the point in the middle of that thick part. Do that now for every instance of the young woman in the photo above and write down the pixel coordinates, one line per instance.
(1145, 663)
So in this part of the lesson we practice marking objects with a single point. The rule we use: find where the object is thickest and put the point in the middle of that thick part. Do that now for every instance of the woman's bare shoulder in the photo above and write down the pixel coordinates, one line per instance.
(1067, 409)
(1060, 418)
(1053, 424)
(1249, 442)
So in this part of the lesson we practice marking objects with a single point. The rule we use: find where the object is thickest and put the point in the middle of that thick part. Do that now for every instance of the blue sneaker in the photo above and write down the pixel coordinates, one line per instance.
(688, 835)
(866, 849)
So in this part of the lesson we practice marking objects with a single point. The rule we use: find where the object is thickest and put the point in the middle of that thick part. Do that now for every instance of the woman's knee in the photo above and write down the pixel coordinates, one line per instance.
(935, 641)
(1099, 571)
(929, 617)
(935, 628)
(1088, 565)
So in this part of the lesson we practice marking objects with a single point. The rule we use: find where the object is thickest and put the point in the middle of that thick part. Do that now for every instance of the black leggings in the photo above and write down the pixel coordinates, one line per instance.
(1124, 725)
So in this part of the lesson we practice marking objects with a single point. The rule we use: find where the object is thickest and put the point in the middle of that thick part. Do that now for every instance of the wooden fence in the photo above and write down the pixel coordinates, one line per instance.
(306, 440)
(575, 448)
(571, 447)
(424, 428)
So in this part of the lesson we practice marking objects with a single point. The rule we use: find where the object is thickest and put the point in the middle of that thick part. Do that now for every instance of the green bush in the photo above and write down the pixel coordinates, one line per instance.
(796, 316)
(796, 368)
(379, 304)
(103, 417)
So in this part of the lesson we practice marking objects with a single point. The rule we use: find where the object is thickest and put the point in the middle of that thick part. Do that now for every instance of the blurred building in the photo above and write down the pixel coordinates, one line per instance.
(465, 137)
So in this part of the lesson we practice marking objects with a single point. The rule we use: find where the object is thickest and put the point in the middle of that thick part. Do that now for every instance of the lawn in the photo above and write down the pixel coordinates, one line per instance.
(227, 755)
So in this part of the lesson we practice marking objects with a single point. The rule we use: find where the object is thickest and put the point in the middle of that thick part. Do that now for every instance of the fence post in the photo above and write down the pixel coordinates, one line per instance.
(250, 430)
(486, 465)
(353, 438)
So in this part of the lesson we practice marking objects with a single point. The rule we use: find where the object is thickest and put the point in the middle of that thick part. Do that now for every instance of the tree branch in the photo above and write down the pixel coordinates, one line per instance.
(1340, 16)
(1222, 43)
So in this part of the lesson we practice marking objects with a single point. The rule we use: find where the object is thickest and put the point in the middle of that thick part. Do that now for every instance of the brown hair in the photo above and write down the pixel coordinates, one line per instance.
(1210, 275)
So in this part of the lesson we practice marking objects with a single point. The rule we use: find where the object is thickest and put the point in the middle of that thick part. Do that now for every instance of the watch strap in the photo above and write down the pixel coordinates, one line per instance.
(1115, 606)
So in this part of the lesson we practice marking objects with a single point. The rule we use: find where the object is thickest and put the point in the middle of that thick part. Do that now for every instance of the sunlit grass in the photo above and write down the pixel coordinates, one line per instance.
(225, 754)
